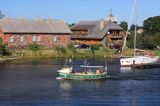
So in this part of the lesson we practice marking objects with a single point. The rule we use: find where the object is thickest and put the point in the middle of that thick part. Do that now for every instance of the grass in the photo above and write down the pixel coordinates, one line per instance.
(78, 53)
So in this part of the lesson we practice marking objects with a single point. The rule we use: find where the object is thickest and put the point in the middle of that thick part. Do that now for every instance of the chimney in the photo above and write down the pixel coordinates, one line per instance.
(102, 24)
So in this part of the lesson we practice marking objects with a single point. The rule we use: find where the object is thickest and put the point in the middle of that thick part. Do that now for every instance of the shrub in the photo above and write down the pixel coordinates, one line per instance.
(34, 47)
(95, 47)
(3, 48)
(63, 50)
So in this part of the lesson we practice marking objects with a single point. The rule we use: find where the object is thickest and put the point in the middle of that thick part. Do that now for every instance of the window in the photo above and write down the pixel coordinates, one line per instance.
(34, 38)
(11, 39)
(38, 38)
(21, 38)
(55, 38)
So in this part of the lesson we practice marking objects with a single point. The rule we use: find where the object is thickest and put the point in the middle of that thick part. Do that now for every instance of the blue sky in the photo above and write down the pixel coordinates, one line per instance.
(72, 11)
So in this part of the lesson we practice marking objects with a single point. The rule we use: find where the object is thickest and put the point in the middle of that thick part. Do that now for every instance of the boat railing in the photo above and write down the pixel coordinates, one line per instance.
(84, 66)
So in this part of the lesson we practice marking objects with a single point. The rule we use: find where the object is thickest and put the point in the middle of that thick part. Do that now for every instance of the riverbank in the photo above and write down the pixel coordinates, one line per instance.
(5, 58)
(78, 53)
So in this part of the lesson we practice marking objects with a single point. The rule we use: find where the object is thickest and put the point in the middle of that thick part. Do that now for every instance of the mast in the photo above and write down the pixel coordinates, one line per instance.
(129, 24)
(135, 29)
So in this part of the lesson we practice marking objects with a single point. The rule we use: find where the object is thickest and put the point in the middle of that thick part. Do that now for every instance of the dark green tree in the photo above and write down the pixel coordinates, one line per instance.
(156, 39)
(132, 27)
(124, 25)
(152, 25)
(1, 15)
(3, 48)
(70, 25)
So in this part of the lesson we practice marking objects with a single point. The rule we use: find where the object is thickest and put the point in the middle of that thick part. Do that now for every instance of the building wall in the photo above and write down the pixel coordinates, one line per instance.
(46, 40)
(80, 32)
(86, 41)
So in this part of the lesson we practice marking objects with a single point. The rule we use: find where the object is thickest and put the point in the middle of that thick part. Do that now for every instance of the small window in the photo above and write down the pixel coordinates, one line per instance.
(11, 39)
(38, 38)
(21, 38)
(34, 38)
(55, 38)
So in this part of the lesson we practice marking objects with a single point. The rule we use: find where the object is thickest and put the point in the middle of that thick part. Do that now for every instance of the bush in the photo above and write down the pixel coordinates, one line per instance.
(34, 47)
(61, 49)
(95, 47)
(3, 49)
(70, 46)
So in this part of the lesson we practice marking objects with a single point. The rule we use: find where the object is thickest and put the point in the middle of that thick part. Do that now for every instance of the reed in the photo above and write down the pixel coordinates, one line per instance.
(78, 53)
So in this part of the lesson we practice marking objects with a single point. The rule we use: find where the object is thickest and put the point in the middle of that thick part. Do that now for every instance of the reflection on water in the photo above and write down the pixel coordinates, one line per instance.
(126, 70)
(65, 85)
(33, 82)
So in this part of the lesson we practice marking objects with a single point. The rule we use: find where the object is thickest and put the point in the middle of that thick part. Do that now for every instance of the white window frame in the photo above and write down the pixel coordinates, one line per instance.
(34, 38)
(38, 38)
(55, 38)
(21, 39)
(11, 39)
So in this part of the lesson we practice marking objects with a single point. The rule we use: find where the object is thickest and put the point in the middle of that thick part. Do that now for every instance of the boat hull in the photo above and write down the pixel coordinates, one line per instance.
(138, 60)
(74, 76)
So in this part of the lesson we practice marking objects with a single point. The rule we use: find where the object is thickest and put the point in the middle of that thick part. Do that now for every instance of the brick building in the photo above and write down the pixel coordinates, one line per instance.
(18, 33)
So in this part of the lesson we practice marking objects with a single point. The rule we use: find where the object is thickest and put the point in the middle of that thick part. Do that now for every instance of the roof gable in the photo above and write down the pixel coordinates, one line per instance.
(94, 27)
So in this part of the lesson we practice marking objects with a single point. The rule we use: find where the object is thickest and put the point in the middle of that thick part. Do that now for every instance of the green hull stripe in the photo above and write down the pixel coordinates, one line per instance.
(74, 76)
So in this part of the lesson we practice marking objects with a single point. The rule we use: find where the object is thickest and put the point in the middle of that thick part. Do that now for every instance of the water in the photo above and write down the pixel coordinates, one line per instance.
(33, 83)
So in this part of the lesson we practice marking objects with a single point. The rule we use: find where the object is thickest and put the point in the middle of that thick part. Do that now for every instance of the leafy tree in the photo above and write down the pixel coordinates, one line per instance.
(3, 48)
(152, 25)
(132, 27)
(1, 15)
(156, 39)
(124, 25)
(70, 25)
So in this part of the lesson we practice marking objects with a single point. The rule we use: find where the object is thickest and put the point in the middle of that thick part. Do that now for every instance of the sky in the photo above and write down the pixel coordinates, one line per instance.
(73, 11)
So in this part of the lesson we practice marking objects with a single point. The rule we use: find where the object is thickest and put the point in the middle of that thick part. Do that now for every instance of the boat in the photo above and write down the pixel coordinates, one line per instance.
(139, 60)
(88, 73)
(143, 56)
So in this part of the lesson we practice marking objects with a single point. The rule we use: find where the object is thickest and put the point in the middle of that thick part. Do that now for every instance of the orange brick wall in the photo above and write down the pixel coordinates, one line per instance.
(46, 40)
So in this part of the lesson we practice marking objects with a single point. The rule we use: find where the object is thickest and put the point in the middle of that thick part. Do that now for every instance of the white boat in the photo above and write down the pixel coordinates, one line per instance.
(143, 56)
(138, 60)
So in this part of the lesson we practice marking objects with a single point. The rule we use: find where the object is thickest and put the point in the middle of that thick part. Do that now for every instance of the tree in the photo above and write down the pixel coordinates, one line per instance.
(3, 48)
(124, 25)
(152, 25)
(156, 39)
(1, 15)
(70, 25)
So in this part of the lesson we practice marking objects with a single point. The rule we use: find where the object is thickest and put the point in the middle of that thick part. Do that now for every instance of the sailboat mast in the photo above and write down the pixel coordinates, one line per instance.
(135, 29)
(125, 38)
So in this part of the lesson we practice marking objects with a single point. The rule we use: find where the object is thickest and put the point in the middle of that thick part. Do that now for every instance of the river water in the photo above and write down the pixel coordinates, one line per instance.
(33, 83)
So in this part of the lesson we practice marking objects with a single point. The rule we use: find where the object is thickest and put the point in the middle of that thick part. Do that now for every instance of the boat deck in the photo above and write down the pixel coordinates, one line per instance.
(87, 73)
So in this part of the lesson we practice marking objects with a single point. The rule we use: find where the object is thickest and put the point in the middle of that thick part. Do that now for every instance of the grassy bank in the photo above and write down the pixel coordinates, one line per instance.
(78, 53)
